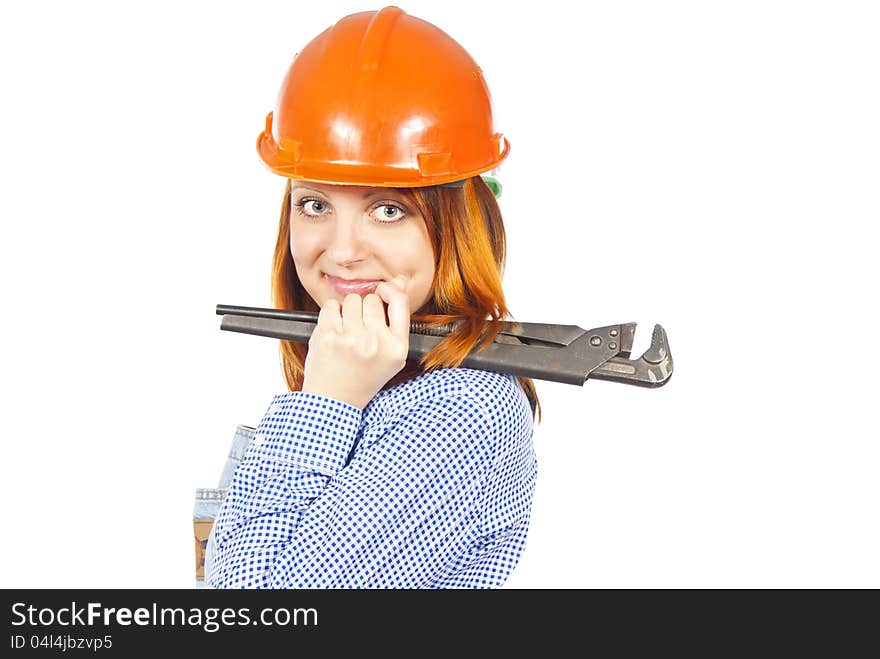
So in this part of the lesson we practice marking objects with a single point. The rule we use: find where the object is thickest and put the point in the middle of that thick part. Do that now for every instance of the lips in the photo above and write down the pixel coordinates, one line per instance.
(356, 286)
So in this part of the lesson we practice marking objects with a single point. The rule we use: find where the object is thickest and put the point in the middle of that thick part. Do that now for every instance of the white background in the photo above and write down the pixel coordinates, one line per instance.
(710, 166)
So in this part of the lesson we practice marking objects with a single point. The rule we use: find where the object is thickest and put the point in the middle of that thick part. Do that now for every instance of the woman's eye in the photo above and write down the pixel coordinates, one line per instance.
(313, 206)
(389, 213)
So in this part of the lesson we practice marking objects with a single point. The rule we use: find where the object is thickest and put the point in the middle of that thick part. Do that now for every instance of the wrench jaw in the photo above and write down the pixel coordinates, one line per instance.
(627, 335)
(653, 369)
(658, 353)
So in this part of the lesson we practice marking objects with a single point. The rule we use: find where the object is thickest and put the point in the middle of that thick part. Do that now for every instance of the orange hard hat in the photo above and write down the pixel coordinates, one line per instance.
(382, 98)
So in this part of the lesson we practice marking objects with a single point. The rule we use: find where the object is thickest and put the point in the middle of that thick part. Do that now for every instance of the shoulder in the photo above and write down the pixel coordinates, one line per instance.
(495, 399)
(482, 387)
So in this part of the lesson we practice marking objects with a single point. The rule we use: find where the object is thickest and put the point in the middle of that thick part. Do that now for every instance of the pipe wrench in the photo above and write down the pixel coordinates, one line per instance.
(556, 353)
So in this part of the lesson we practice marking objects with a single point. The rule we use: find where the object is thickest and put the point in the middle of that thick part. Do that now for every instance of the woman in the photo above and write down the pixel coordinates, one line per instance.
(375, 472)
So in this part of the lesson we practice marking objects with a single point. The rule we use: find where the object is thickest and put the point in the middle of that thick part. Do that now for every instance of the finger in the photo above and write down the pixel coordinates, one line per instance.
(374, 314)
(352, 314)
(330, 315)
(398, 307)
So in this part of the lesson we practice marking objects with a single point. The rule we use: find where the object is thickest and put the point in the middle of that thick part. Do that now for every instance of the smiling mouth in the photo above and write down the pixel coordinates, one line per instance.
(349, 286)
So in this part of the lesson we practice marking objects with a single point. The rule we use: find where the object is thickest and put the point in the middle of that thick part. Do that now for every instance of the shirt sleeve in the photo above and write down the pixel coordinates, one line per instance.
(299, 515)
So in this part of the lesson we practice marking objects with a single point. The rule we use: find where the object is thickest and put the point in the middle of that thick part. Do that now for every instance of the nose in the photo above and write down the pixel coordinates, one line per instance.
(347, 244)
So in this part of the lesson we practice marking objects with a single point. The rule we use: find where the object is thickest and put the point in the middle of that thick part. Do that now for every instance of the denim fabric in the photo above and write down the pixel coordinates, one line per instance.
(208, 501)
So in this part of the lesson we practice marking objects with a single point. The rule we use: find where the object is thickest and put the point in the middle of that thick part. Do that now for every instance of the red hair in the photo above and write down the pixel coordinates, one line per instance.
(468, 240)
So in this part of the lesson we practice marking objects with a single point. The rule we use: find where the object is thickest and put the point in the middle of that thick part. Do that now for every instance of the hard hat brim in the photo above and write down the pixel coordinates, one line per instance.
(359, 173)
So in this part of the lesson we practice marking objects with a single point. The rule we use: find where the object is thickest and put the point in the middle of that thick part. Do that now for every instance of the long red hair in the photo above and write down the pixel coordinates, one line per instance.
(469, 244)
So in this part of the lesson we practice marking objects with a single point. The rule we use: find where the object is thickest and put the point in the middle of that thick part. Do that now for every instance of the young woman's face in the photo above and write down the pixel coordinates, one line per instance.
(346, 239)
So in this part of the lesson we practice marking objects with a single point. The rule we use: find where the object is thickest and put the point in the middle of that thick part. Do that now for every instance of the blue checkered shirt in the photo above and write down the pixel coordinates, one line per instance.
(429, 487)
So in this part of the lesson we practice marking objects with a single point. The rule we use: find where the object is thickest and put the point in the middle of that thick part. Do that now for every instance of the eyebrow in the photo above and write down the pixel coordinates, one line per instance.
(367, 195)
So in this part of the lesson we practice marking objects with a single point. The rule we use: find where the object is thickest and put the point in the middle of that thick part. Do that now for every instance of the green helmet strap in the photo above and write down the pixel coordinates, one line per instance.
(490, 181)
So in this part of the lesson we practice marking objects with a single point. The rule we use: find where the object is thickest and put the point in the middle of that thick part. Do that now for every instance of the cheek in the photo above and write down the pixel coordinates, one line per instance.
(420, 263)
(420, 293)
(303, 249)
(424, 267)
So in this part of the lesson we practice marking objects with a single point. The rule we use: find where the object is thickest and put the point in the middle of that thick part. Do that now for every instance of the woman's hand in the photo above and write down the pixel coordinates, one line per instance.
(353, 351)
